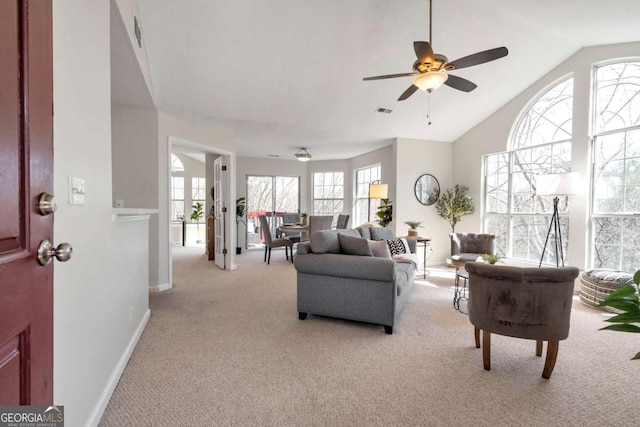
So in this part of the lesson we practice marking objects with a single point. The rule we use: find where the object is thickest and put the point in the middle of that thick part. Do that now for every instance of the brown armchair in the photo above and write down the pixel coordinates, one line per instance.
(530, 303)
(468, 247)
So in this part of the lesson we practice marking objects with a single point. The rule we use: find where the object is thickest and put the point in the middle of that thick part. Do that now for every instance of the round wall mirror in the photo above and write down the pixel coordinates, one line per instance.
(427, 189)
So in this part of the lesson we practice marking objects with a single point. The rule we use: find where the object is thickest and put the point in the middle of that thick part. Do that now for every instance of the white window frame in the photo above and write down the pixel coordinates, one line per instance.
(332, 177)
(361, 182)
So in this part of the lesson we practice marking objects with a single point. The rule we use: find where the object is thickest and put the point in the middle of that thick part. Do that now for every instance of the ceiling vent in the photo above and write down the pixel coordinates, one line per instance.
(384, 110)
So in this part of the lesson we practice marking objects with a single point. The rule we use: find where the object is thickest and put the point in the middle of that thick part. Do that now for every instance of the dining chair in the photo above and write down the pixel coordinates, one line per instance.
(290, 219)
(270, 242)
(343, 221)
(320, 222)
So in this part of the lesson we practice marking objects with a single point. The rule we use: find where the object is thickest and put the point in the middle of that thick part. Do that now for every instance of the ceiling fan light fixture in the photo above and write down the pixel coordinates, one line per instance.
(430, 80)
(303, 155)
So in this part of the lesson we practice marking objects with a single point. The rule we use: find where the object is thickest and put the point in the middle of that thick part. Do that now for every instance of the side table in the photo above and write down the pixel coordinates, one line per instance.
(460, 292)
(425, 242)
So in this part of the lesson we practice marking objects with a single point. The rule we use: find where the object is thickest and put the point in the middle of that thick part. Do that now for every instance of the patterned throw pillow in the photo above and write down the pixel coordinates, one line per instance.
(396, 246)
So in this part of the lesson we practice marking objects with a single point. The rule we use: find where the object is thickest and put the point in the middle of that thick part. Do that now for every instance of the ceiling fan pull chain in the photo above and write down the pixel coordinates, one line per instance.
(429, 107)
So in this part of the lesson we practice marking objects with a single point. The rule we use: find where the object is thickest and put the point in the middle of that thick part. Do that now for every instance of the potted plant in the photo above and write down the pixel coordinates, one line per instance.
(303, 218)
(385, 212)
(491, 259)
(413, 227)
(196, 215)
(241, 207)
(627, 300)
(454, 204)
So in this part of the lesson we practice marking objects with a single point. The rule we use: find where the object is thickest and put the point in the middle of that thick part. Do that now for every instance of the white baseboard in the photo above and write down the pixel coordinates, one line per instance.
(160, 288)
(103, 401)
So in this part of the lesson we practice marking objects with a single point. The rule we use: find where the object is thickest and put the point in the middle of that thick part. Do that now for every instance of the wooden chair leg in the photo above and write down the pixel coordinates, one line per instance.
(550, 362)
(286, 252)
(486, 350)
(539, 348)
(476, 334)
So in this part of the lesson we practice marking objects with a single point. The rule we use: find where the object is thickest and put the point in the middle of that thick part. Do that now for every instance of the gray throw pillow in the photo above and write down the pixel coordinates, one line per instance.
(379, 248)
(350, 232)
(364, 232)
(382, 233)
(324, 241)
(354, 245)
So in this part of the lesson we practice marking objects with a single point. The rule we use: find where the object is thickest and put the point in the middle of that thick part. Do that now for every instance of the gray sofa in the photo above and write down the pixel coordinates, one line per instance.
(338, 276)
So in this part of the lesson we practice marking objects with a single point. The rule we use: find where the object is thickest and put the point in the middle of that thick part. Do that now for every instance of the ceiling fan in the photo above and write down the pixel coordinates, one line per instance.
(431, 70)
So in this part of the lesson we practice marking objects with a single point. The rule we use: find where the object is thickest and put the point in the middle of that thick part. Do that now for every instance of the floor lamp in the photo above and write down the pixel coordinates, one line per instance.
(562, 184)
(377, 190)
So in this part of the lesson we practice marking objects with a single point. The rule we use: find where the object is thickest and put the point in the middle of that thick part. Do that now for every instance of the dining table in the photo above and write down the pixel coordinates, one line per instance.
(296, 228)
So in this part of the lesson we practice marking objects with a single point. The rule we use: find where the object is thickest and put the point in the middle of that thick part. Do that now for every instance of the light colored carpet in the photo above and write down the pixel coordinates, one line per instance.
(227, 349)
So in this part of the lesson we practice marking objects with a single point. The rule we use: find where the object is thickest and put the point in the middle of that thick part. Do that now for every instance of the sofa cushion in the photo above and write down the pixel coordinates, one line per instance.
(398, 246)
(379, 248)
(354, 245)
(364, 232)
(349, 232)
(382, 233)
(325, 241)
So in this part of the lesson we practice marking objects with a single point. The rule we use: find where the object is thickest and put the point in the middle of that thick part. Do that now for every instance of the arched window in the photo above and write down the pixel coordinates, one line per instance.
(615, 226)
(176, 164)
(540, 144)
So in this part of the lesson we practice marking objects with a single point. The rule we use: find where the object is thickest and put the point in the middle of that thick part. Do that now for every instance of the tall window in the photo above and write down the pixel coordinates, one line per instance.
(540, 145)
(197, 190)
(328, 193)
(615, 226)
(363, 211)
(177, 198)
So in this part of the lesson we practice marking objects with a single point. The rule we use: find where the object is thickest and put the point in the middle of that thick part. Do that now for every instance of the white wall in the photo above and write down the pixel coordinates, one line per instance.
(128, 9)
(100, 295)
(134, 153)
(415, 158)
(492, 136)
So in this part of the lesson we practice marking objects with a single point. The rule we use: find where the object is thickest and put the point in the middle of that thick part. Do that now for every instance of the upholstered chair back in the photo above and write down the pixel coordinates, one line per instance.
(531, 303)
(472, 243)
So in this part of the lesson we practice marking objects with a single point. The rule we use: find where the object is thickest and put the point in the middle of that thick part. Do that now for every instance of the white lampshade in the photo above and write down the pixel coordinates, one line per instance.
(430, 80)
(557, 184)
(378, 191)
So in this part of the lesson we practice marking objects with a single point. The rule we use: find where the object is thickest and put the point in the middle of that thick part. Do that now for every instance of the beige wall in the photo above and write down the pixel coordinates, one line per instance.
(415, 158)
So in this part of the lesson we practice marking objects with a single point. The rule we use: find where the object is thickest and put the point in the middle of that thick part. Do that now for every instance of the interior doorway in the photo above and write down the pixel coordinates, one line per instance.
(271, 196)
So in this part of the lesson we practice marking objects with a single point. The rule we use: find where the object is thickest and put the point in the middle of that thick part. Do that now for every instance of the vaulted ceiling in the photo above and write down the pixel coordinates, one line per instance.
(285, 74)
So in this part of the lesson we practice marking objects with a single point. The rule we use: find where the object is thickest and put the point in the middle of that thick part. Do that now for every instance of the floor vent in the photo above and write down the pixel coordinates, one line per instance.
(384, 110)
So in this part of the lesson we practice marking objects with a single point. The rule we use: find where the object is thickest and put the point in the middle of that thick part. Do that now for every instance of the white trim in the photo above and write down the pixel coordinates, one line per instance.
(161, 287)
(110, 387)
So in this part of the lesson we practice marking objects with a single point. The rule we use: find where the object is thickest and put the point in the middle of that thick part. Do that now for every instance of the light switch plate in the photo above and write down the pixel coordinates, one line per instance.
(76, 191)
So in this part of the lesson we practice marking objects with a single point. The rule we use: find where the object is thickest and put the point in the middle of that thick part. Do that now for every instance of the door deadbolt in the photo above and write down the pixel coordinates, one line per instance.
(47, 204)
(46, 252)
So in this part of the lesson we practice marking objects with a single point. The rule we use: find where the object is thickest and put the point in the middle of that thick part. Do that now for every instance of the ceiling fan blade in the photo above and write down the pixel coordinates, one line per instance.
(460, 83)
(424, 52)
(389, 76)
(479, 58)
(407, 93)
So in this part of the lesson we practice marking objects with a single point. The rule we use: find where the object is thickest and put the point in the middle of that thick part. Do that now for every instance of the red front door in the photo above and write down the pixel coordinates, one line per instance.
(26, 171)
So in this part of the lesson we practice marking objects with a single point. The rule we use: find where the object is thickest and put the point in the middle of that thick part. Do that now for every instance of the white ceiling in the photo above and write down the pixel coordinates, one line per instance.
(285, 74)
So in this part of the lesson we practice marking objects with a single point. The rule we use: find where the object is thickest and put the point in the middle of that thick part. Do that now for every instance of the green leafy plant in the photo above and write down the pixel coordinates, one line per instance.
(627, 300)
(491, 259)
(385, 212)
(197, 214)
(453, 204)
(414, 224)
